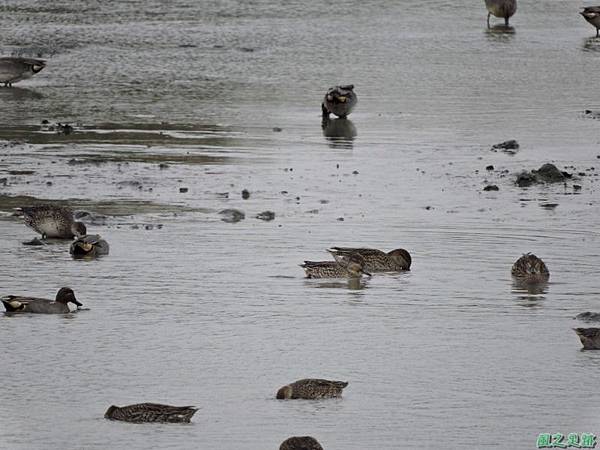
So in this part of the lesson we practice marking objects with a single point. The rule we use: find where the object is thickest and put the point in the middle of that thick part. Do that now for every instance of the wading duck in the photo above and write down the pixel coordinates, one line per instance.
(311, 389)
(14, 69)
(300, 443)
(150, 412)
(65, 295)
(501, 8)
(529, 268)
(376, 260)
(89, 246)
(592, 15)
(349, 267)
(339, 100)
(589, 337)
(52, 221)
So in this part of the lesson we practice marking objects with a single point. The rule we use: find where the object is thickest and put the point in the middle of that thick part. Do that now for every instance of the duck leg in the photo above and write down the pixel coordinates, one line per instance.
(325, 111)
(488, 20)
(597, 30)
(506, 21)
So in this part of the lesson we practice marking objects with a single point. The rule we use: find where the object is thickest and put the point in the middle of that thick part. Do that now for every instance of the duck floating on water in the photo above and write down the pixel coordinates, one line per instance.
(151, 412)
(14, 69)
(52, 221)
(530, 269)
(89, 246)
(347, 267)
(592, 15)
(376, 260)
(300, 443)
(311, 389)
(339, 100)
(589, 337)
(20, 304)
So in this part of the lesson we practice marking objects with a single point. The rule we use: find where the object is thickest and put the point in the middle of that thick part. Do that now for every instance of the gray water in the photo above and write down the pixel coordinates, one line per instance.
(188, 309)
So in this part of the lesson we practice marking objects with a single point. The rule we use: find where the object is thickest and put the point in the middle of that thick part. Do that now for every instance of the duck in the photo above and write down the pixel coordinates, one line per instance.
(592, 15)
(150, 412)
(501, 8)
(588, 316)
(348, 267)
(300, 443)
(14, 69)
(52, 221)
(589, 337)
(339, 100)
(376, 260)
(20, 304)
(89, 246)
(531, 269)
(311, 389)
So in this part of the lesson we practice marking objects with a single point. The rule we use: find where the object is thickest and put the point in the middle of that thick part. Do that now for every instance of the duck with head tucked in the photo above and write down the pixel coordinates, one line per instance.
(530, 269)
(89, 246)
(300, 443)
(376, 260)
(52, 221)
(20, 304)
(14, 69)
(348, 267)
(339, 100)
(311, 389)
(589, 337)
(151, 412)
(504, 9)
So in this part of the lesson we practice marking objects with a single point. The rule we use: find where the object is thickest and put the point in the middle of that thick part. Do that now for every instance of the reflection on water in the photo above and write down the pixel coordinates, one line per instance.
(339, 132)
(19, 94)
(352, 284)
(529, 291)
(591, 44)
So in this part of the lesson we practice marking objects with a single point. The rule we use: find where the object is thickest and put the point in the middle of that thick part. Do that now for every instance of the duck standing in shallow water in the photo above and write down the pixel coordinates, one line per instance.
(339, 100)
(300, 443)
(501, 8)
(311, 389)
(151, 412)
(89, 246)
(350, 267)
(15, 69)
(52, 221)
(592, 15)
(65, 295)
(376, 260)
(589, 337)
(530, 269)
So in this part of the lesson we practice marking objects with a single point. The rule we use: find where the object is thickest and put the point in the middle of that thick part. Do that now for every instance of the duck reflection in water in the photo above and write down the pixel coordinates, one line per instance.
(339, 132)
(526, 290)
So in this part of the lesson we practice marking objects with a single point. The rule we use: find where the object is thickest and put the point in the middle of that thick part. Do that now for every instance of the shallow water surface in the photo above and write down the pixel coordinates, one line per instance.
(189, 309)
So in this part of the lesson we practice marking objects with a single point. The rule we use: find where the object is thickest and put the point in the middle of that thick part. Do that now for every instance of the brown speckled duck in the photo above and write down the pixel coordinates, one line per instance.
(339, 100)
(350, 267)
(589, 337)
(150, 412)
(52, 221)
(300, 443)
(20, 304)
(311, 389)
(376, 260)
(529, 268)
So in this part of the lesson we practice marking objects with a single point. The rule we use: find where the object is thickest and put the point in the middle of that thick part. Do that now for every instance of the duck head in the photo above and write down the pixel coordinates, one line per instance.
(38, 65)
(401, 257)
(110, 411)
(78, 229)
(66, 295)
(340, 94)
(284, 393)
(355, 266)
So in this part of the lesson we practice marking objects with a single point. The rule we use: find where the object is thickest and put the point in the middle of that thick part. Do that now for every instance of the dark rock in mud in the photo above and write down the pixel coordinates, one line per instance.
(277, 129)
(129, 183)
(163, 166)
(148, 227)
(548, 205)
(245, 194)
(525, 179)
(491, 187)
(21, 172)
(355, 172)
(3, 181)
(592, 114)
(266, 215)
(490, 167)
(550, 173)
(576, 187)
(511, 147)
(340, 219)
(232, 215)
(183, 190)
(34, 241)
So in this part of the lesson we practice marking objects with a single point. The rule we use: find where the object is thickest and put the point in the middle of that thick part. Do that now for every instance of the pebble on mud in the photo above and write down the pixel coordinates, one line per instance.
(491, 187)
(245, 194)
(340, 219)
(183, 190)
(510, 147)
(163, 166)
(548, 173)
(490, 167)
(548, 205)
(277, 129)
(576, 187)
(266, 215)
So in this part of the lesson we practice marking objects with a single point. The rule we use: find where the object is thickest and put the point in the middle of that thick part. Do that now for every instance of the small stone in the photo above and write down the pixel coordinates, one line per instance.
(491, 187)
(355, 172)
(323, 202)
(525, 179)
(163, 166)
(340, 219)
(510, 146)
(245, 194)
(576, 187)
(232, 215)
(183, 190)
(490, 167)
(48, 183)
(277, 129)
(34, 241)
(297, 199)
(135, 227)
(149, 227)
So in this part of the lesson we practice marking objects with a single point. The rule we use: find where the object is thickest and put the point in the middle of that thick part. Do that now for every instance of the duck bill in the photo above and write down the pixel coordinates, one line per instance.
(366, 273)
(76, 302)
